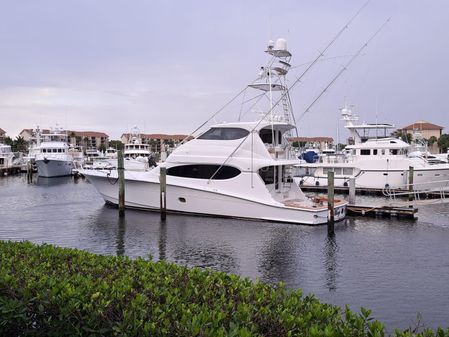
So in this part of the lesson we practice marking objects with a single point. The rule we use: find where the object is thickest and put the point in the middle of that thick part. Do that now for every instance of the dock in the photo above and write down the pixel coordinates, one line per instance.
(403, 212)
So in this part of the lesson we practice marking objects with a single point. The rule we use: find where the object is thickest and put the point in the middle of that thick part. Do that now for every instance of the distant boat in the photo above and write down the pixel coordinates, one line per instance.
(6, 157)
(376, 160)
(136, 153)
(53, 159)
(240, 169)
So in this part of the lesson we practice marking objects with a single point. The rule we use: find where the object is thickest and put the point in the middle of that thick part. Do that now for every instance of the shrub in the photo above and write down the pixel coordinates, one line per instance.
(50, 291)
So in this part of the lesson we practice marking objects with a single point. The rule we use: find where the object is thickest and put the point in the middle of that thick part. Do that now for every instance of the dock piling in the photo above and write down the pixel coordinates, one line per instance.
(163, 190)
(352, 191)
(330, 202)
(121, 183)
(29, 173)
(410, 183)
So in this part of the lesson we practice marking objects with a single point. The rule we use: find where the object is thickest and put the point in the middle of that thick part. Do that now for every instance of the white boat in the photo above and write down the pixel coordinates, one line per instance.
(110, 153)
(376, 161)
(53, 159)
(6, 157)
(137, 155)
(33, 149)
(240, 169)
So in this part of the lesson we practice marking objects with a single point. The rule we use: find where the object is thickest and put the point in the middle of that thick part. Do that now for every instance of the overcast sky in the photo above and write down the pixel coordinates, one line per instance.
(166, 66)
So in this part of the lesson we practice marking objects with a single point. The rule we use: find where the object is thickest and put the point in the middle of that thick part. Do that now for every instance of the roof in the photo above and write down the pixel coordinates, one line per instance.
(30, 131)
(159, 136)
(88, 134)
(77, 133)
(311, 139)
(422, 125)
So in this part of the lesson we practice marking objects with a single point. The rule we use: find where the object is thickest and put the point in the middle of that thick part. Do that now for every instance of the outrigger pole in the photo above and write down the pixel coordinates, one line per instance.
(357, 54)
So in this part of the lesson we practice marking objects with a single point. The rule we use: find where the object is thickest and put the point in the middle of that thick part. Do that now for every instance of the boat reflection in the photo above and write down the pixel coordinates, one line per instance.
(54, 181)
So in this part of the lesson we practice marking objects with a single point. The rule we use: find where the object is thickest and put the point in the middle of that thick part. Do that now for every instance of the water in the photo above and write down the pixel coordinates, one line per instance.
(397, 268)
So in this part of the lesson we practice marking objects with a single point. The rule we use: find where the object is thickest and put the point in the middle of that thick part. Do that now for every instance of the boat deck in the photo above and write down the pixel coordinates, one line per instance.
(318, 203)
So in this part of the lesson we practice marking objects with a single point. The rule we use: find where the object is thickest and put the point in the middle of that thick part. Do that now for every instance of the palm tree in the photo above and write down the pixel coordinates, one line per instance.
(20, 145)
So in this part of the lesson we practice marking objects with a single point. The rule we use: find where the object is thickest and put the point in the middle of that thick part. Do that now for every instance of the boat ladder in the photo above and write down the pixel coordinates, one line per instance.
(287, 178)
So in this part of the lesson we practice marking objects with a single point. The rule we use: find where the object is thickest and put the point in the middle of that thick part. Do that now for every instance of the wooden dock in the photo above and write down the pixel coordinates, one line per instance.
(383, 211)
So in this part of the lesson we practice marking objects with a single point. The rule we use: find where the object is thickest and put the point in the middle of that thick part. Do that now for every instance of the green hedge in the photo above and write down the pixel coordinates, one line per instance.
(50, 291)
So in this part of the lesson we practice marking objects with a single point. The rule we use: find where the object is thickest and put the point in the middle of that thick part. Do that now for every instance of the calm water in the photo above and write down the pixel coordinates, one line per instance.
(397, 268)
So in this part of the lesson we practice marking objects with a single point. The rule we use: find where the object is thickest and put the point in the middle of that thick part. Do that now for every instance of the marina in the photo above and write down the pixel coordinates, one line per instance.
(396, 267)
(235, 169)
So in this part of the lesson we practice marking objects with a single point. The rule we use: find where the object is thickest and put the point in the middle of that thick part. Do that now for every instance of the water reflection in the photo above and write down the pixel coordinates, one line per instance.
(330, 262)
(162, 243)
(281, 255)
(204, 252)
(54, 181)
(121, 229)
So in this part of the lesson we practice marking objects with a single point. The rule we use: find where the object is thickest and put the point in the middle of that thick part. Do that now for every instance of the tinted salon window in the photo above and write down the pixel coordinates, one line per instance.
(224, 134)
(203, 172)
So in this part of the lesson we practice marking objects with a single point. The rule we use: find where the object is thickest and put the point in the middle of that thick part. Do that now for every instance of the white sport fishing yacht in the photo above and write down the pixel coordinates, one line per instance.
(240, 169)
(376, 161)
(53, 159)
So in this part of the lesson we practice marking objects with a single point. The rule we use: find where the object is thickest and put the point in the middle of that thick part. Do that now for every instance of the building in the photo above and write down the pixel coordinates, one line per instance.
(315, 142)
(425, 130)
(2, 135)
(86, 139)
(158, 142)
(28, 134)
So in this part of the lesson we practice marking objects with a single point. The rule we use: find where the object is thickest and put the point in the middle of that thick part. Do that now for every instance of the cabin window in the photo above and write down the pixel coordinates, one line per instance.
(267, 136)
(203, 172)
(348, 171)
(394, 152)
(224, 134)
(337, 171)
(326, 170)
(375, 152)
(383, 152)
(365, 152)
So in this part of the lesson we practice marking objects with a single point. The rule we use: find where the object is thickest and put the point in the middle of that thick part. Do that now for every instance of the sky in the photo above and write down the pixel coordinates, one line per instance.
(167, 66)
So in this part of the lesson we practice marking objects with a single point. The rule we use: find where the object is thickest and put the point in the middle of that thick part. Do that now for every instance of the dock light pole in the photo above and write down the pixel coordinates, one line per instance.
(121, 183)
(163, 190)
(330, 202)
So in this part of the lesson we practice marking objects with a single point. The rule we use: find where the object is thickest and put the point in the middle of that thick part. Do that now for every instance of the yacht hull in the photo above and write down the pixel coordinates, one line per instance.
(423, 179)
(49, 168)
(146, 195)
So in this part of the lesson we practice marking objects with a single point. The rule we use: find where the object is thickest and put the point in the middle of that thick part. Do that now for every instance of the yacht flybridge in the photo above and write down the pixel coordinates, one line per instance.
(376, 161)
(241, 169)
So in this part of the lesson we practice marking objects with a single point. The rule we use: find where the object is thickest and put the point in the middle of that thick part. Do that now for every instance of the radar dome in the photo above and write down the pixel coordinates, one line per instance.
(281, 44)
